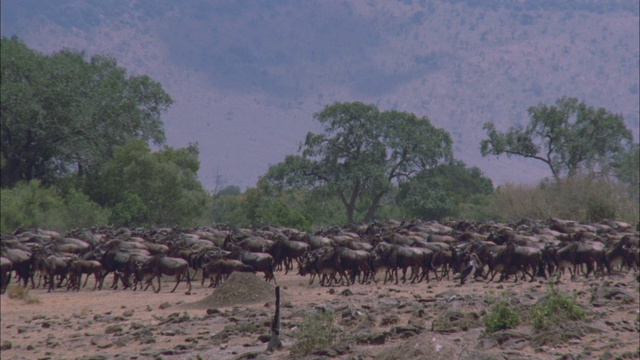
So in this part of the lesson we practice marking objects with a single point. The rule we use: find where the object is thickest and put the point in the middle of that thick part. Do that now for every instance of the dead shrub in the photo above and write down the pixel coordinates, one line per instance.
(22, 293)
(581, 198)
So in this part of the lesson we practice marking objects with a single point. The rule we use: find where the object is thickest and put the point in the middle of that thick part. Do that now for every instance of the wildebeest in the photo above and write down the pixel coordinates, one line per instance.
(220, 269)
(392, 257)
(56, 266)
(159, 265)
(21, 262)
(77, 268)
(5, 273)
(261, 262)
(285, 251)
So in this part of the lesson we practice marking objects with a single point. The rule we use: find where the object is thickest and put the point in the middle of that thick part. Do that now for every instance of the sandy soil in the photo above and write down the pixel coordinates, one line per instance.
(439, 320)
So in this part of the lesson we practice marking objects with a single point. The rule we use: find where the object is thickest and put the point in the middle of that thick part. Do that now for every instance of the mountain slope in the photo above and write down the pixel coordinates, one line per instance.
(247, 77)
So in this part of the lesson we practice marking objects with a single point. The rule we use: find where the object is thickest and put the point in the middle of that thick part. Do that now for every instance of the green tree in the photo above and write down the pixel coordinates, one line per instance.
(626, 168)
(262, 206)
(568, 136)
(439, 192)
(145, 188)
(361, 154)
(30, 204)
(62, 114)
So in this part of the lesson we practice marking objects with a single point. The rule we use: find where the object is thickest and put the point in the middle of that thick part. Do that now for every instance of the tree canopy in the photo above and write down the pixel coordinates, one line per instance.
(361, 154)
(152, 188)
(62, 114)
(568, 136)
(440, 192)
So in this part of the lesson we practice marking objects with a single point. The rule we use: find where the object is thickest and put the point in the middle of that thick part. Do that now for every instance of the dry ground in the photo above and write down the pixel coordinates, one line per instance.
(439, 320)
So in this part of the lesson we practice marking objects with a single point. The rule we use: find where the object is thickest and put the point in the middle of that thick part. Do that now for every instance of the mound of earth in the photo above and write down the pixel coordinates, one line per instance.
(239, 288)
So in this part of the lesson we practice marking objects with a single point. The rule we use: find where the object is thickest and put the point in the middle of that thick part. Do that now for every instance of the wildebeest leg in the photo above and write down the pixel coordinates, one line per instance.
(51, 282)
(188, 279)
(98, 278)
(178, 279)
(159, 283)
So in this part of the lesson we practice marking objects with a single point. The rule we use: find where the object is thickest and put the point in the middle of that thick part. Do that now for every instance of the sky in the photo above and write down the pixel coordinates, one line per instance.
(247, 76)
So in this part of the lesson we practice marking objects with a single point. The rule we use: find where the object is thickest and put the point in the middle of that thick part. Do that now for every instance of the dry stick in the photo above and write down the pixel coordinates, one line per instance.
(274, 342)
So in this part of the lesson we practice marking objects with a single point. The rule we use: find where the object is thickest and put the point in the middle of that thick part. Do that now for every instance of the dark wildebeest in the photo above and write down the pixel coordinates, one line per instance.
(392, 257)
(285, 251)
(220, 269)
(21, 262)
(55, 265)
(5, 273)
(261, 262)
(324, 263)
(160, 265)
(78, 268)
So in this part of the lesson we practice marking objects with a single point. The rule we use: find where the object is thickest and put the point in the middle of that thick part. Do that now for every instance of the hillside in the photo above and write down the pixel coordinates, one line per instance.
(247, 77)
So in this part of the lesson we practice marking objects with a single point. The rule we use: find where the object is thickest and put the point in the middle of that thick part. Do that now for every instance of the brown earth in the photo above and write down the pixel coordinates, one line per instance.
(439, 320)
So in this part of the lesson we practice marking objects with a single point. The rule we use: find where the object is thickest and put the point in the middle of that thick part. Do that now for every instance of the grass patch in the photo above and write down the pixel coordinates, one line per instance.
(581, 198)
(502, 317)
(314, 333)
(22, 293)
(554, 309)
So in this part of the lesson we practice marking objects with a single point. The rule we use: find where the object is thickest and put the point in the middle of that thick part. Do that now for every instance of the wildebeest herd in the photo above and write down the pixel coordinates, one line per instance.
(388, 252)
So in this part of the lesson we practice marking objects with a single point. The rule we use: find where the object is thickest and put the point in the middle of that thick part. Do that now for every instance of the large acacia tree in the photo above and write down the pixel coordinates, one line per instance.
(361, 154)
(568, 136)
(62, 113)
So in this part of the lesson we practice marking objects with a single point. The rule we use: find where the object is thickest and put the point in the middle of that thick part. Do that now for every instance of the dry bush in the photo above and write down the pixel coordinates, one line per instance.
(581, 198)
(22, 293)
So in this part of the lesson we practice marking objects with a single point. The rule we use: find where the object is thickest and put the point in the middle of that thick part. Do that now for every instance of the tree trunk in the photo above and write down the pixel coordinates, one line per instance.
(274, 342)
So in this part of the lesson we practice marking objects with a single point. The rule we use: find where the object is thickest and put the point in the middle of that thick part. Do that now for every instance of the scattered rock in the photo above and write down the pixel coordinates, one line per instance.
(373, 338)
(389, 320)
(164, 305)
(102, 342)
(113, 329)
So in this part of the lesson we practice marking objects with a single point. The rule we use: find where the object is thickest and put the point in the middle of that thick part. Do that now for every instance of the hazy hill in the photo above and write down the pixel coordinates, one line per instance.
(247, 76)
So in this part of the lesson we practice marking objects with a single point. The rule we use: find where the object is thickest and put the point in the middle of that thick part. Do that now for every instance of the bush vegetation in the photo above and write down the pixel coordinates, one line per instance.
(94, 165)
(502, 317)
(580, 198)
(316, 331)
(554, 309)
(22, 293)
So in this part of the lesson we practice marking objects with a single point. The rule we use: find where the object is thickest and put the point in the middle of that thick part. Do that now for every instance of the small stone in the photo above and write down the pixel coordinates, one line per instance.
(213, 311)
(113, 329)
(101, 342)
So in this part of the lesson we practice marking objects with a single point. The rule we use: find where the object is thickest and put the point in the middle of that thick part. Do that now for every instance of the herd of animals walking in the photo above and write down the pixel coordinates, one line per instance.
(410, 252)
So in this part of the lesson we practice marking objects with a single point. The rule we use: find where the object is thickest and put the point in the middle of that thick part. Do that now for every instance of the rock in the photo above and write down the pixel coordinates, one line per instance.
(486, 344)
(145, 336)
(102, 342)
(389, 320)
(346, 292)
(406, 331)
(113, 329)
(93, 357)
(372, 339)
(503, 336)
(164, 305)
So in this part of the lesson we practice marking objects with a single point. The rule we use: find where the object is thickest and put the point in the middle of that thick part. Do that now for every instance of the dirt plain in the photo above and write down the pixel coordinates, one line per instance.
(435, 320)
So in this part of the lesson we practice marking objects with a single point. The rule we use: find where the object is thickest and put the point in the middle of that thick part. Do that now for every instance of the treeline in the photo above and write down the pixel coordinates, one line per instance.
(76, 136)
